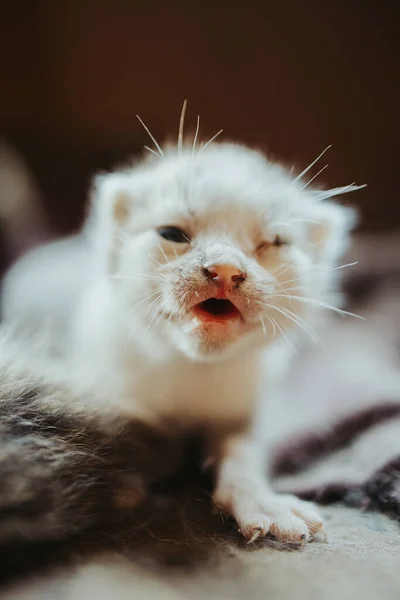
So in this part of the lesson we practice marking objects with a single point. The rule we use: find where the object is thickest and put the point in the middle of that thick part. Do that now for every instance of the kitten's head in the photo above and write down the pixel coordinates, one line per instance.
(218, 248)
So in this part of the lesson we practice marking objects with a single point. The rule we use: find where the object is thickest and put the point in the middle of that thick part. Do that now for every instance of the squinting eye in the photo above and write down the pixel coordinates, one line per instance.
(174, 234)
(278, 241)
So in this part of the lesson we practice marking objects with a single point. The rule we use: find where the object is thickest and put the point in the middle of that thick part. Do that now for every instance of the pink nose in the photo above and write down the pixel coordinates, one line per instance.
(224, 274)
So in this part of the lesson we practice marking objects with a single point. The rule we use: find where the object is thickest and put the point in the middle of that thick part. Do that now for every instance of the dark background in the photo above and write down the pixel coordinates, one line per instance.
(289, 76)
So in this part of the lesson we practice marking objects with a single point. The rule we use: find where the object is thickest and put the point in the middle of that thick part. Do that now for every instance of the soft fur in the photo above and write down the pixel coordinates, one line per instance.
(122, 303)
(69, 477)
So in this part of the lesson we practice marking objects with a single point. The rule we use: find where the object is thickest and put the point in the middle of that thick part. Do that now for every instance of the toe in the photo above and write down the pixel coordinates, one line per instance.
(255, 527)
(290, 528)
(310, 516)
(306, 511)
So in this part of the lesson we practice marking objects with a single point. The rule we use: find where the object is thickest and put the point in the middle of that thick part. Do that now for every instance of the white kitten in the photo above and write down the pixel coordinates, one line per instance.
(183, 298)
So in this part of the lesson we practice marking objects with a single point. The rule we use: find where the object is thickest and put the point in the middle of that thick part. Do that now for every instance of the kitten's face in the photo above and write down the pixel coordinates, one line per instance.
(214, 252)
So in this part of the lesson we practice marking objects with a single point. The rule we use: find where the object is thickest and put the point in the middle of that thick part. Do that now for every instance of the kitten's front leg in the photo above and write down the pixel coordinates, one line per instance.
(243, 491)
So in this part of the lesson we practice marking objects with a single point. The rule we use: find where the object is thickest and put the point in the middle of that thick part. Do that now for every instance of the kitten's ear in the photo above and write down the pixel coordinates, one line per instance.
(111, 198)
(330, 229)
(110, 209)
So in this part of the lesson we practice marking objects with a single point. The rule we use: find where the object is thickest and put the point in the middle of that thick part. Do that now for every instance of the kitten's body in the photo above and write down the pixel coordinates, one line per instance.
(133, 310)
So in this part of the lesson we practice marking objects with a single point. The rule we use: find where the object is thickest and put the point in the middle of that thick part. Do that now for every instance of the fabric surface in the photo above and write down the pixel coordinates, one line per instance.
(361, 558)
(337, 426)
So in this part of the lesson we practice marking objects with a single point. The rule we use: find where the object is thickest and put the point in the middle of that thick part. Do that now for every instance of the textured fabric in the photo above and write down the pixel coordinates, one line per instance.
(337, 425)
(361, 558)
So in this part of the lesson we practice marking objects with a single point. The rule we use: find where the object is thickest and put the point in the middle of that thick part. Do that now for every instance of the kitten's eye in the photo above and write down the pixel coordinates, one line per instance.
(278, 241)
(174, 234)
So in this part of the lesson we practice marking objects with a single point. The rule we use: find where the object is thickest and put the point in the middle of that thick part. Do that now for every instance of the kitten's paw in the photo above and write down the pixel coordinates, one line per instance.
(285, 517)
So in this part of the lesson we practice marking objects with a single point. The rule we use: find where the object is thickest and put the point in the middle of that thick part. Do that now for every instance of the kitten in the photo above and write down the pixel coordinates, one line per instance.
(182, 299)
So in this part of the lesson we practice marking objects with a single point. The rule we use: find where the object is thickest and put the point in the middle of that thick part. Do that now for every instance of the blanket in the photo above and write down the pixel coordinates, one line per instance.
(337, 434)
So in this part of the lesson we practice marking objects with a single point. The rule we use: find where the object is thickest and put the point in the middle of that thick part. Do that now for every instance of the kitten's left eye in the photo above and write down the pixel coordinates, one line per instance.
(277, 242)
(174, 234)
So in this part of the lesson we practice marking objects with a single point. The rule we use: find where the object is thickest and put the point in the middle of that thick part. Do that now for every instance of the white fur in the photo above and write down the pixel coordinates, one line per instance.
(124, 295)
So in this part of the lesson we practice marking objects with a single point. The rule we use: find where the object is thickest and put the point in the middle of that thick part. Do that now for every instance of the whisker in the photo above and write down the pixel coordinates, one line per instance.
(122, 238)
(288, 265)
(291, 289)
(157, 145)
(140, 277)
(279, 267)
(163, 253)
(312, 164)
(152, 303)
(140, 317)
(181, 301)
(152, 151)
(309, 221)
(284, 291)
(204, 146)
(289, 343)
(148, 298)
(195, 135)
(161, 316)
(194, 158)
(181, 125)
(321, 272)
(151, 322)
(315, 176)
(156, 317)
(180, 146)
(170, 316)
(152, 306)
(283, 224)
(297, 320)
(273, 326)
(339, 191)
(167, 322)
(152, 258)
(261, 249)
(133, 308)
(263, 326)
(321, 304)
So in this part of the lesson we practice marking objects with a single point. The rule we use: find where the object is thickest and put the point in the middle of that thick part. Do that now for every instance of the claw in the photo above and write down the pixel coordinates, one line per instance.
(255, 535)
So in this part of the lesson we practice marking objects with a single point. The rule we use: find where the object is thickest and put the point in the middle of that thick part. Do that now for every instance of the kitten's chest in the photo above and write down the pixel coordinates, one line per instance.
(196, 393)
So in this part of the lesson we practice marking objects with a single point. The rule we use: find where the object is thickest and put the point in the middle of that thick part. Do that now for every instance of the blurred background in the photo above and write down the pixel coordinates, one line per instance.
(291, 77)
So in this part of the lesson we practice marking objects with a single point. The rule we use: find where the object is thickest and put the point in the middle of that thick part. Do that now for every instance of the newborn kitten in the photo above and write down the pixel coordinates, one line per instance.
(183, 298)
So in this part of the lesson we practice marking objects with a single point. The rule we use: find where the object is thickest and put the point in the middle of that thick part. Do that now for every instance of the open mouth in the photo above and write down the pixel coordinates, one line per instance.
(215, 309)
